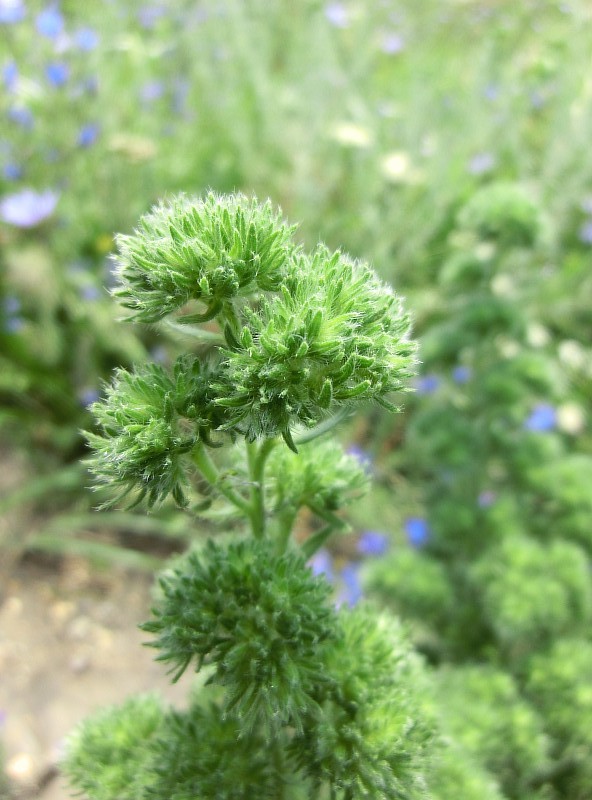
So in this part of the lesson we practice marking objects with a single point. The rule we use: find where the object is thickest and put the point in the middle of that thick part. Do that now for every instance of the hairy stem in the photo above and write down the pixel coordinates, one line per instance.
(256, 458)
(211, 473)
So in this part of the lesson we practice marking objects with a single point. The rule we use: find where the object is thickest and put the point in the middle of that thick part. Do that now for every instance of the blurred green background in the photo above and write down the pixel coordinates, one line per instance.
(444, 141)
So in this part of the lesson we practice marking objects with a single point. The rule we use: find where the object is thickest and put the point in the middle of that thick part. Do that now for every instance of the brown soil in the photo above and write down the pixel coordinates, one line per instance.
(69, 644)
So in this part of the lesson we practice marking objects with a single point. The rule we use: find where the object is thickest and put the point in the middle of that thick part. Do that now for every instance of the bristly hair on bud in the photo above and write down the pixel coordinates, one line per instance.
(334, 335)
(212, 251)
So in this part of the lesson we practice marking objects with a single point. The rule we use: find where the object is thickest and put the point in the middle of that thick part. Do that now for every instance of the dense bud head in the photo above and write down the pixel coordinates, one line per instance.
(531, 592)
(503, 212)
(148, 422)
(212, 250)
(483, 710)
(370, 740)
(200, 753)
(108, 755)
(260, 620)
(335, 335)
(320, 475)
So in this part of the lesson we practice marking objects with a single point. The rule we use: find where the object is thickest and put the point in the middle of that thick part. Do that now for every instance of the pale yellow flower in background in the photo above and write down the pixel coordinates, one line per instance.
(397, 167)
(348, 134)
(537, 335)
(571, 418)
(573, 354)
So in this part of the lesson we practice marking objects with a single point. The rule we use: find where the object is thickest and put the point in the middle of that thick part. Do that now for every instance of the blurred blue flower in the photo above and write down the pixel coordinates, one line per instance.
(12, 308)
(322, 564)
(351, 592)
(392, 44)
(585, 232)
(373, 543)
(57, 73)
(28, 208)
(86, 39)
(88, 396)
(337, 15)
(481, 163)
(491, 92)
(149, 16)
(50, 22)
(88, 135)
(427, 384)
(417, 530)
(151, 91)
(12, 172)
(486, 498)
(22, 115)
(542, 418)
(11, 11)
(363, 458)
(461, 374)
(90, 293)
(10, 75)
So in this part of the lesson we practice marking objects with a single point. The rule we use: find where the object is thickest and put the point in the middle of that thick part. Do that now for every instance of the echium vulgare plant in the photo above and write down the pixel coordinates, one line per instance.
(302, 699)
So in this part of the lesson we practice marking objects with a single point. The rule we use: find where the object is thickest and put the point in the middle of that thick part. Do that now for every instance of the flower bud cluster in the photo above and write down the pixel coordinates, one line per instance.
(149, 421)
(300, 337)
(260, 620)
(211, 250)
(335, 334)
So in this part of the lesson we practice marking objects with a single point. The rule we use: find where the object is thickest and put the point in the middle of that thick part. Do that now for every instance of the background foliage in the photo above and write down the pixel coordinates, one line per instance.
(446, 143)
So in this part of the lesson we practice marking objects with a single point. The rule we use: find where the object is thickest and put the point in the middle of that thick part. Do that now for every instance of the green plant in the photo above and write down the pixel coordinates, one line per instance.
(304, 700)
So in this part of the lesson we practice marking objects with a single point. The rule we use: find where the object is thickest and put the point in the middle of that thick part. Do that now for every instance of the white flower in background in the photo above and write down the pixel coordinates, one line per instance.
(572, 354)
(396, 167)
(537, 335)
(349, 134)
(571, 418)
(503, 286)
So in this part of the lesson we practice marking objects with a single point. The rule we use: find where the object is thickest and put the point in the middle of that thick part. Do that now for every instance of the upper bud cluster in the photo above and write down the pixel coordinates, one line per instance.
(210, 250)
(299, 336)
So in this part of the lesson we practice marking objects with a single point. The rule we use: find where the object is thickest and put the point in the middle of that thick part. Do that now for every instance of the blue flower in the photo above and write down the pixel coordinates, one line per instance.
(28, 208)
(351, 592)
(363, 458)
(12, 172)
(86, 39)
(88, 396)
(337, 15)
(585, 232)
(149, 16)
(151, 91)
(542, 418)
(10, 75)
(50, 23)
(90, 293)
(418, 531)
(392, 44)
(373, 543)
(481, 163)
(12, 309)
(322, 564)
(11, 11)
(491, 92)
(486, 498)
(427, 384)
(88, 135)
(461, 374)
(57, 73)
(21, 115)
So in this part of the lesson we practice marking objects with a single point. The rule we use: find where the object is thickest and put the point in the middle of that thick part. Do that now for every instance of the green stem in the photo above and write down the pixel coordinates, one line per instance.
(316, 541)
(285, 523)
(210, 472)
(256, 458)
